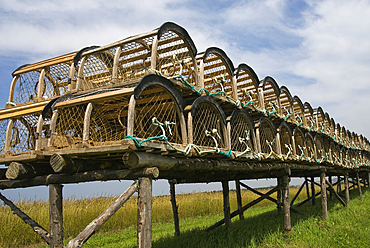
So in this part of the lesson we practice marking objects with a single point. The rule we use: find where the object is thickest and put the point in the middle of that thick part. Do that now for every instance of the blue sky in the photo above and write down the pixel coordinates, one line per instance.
(320, 50)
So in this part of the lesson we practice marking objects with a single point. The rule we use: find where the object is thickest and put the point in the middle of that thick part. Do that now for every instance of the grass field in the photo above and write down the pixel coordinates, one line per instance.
(263, 227)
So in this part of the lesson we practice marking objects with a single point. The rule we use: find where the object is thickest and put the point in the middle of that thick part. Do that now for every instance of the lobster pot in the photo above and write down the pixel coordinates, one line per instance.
(309, 118)
(22, 137)
(3, 126)
(216, 71)
(174, 57)
(69, 126)
(319, 118)
(156, 102)
(95, 70)
(299, 141)
(206, 118)
(270, 95)
(310, 145)
(298, 110)
(55, 80)
(267, 135)
(285, 138)
(319, 144)
(286, 101)
(338, 154)
(344, 157)
(358, 157)
(241, 126)
(247, 85)
(108, 121)
(26, 87)
(333, 152)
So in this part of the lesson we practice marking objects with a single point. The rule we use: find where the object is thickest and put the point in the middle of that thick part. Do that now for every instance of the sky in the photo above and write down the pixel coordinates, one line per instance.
(320, 50)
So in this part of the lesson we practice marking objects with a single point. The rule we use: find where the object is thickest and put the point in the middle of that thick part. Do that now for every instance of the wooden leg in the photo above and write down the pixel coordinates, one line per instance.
(144, 214)
(174, 209)
(286, 204)
(239, 199)
(313, 191)
(324, 202)
(278, 202)
(56, 215)
(359, 185)
(346, 187)
(307, 188)
(339, 185)
(225, 190)
(330, 193)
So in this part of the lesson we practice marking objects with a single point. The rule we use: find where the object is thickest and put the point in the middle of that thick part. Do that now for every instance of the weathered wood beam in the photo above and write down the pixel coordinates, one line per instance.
(56, 215)
(144, 213)
(89, 176)
(346, 188)
(35, 226)
(308, 199)
(174, 208)
(335, 193)
(239, 199)
(313, 191)
(286, 205)
(225, 193)
(279, 197)
(324, 201)
(103, 217)
(297, 194)
(17, 170)
(2, 174)
(359, 185)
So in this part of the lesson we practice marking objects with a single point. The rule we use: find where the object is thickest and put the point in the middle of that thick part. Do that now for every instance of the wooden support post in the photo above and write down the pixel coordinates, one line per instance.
(339, 185)
(324, 202)
(144, 214)
(313, 191)
(286, 205)
(56, 215)
(239, 199)
(335, 193)
(359, 185)
(330, 192)
(278, 196)
(346, 188)
(174, 209)
(225, 191)
(307, 188)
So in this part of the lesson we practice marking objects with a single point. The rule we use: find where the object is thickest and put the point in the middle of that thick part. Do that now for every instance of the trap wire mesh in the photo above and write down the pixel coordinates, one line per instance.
(157, 102)
(207, 118)
(285, 138)
(241, 127)
(267, 134)
(23, 134)
(217, 77)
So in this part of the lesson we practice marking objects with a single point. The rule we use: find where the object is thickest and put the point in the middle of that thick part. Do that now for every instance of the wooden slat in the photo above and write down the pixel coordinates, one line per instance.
(22, 110)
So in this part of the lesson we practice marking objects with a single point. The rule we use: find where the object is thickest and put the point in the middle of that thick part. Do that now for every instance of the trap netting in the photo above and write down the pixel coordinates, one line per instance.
(299, 142)
(157, 114)
(174, 58)
(69, 126)
(267, 136)
(310, 145)
(108, 121)
(242, 133)
(54, 83)
(217, 76)
(3, 126)
(134, 60)
(320, 152)
(285, 139)
(247, 88)
(286, 104)
(22, 138)
(270, 97)
(207, 122)
(95, 70)
(298, 110)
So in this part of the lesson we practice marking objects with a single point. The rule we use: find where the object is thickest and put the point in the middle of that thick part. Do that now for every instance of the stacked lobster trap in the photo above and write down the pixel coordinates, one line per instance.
(154, 87)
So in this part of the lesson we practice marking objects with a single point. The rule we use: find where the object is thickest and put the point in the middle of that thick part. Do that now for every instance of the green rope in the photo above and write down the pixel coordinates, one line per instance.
(138, 143)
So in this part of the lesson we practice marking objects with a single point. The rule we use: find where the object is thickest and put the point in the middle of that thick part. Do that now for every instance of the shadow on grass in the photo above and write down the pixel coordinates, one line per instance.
(250, 232)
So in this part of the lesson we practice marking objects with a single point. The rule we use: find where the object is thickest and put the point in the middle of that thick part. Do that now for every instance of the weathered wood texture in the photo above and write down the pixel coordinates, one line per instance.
(103, 217)
(35, 226)
(89, 176)
(332, 191)
(225, 193)
(286, 205)
(239, 199)
(174, 209)
(346, 188)
(324, 200)
(144, 214)
(313, 198)
(18, 170)
(56, 215)
(359, 185)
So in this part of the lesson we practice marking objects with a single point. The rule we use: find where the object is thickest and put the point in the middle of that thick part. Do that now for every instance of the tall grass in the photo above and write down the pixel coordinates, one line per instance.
(80, 212)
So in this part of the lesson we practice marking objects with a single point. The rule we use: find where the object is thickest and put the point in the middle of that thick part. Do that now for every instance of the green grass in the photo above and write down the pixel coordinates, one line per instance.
(263, 227)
